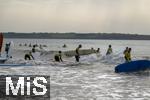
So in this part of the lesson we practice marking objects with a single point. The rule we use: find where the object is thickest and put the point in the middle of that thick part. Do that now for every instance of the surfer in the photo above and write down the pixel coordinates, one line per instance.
(98, 50)
(33, 49)
(28, 56)
(109, 50)
(125, 52)
(7, 47)
(64, 46)
(127, 55)
(30, 45)
(20, 44)
(25, 44)
(77, 56)
(58, 57)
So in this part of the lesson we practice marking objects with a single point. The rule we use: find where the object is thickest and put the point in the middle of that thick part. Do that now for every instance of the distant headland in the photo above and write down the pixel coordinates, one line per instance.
(71, 35)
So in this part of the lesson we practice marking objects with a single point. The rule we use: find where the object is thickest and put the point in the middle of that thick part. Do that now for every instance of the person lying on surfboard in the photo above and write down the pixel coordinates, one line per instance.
(58, 57)
(77, 56)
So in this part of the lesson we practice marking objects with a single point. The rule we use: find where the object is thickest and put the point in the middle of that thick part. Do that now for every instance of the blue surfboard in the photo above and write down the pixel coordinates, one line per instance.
(133, 66)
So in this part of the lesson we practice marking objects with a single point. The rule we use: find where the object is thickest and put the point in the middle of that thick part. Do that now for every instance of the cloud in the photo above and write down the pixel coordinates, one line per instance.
(130, 16)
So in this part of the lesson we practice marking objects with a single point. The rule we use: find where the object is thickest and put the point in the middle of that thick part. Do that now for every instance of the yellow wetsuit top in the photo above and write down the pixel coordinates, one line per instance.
(127, 56)
(109, 51)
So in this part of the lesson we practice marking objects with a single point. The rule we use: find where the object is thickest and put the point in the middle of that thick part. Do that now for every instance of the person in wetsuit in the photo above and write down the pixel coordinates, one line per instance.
(64, 46)
(28, 56)
(98, 50)
(127, 55)
(7, 48)
(109, 50)
(77, 56)
(33, 49)
(58, 57)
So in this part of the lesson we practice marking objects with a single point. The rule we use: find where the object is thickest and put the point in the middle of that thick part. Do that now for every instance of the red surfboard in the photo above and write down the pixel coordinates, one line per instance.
(1, 41)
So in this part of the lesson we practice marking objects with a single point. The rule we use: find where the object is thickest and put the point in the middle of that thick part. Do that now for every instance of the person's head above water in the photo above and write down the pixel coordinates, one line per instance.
(109, 46)
(130, 49)
(80, 46)
(59, 52)
(34, 46)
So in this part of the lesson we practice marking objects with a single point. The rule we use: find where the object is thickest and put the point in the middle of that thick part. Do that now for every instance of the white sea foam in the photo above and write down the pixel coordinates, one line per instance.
(92, 78)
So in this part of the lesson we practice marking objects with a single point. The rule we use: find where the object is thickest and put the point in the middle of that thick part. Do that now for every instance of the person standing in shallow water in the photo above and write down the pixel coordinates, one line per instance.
(33, 48)
(128, 55)
(28, 56)
(7, 48)
(109, 50)
(125, 53)
(58, 57)
(77, 56)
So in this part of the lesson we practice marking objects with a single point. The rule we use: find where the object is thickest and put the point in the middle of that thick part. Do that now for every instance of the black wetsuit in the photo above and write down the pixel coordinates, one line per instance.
(7, 48)
(33, 49)
(77, 56)
(58, 58)
(28, 57)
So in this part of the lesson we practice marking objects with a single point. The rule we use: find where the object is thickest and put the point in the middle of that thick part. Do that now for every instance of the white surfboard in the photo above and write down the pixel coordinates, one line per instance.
(2, 59)
(81, 52)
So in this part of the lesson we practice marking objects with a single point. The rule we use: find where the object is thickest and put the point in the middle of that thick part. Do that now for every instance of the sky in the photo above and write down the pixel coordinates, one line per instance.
(108, 16)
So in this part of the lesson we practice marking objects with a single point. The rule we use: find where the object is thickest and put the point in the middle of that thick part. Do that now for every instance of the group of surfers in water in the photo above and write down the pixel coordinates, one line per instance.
(58, 56)
(127, 54)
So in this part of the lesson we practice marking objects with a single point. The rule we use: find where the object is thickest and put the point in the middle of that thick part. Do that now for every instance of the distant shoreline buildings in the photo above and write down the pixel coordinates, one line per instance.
(110, 36)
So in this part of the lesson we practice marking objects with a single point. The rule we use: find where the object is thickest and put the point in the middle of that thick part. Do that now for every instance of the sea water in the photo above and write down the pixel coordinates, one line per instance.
(93, 78)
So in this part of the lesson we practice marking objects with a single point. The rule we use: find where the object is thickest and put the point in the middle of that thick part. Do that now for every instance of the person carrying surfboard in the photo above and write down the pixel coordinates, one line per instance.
(77, 56)
(109, 50)
(58, 57)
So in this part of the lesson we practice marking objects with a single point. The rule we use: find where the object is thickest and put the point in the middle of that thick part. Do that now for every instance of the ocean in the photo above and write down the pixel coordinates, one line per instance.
(93, 78)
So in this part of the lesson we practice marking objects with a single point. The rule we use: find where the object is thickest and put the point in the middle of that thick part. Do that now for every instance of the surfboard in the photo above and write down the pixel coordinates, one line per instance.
(133, 66)
(82, 52)
(1, 41)
(2, 60)
(14, 65)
